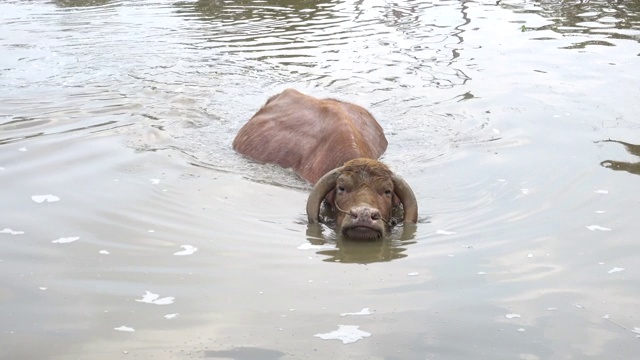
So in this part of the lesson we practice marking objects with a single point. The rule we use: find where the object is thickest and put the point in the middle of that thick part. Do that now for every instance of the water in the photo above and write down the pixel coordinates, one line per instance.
(129, 227)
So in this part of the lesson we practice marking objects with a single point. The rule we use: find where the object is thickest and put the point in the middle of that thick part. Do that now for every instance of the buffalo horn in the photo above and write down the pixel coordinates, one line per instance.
(408, 199)
(320, 190)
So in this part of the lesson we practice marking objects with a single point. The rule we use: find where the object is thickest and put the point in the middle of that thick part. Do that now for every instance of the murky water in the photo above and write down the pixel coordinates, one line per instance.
(129, 228)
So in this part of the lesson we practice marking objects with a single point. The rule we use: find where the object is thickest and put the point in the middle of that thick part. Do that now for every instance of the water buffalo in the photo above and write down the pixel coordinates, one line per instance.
(334, 145)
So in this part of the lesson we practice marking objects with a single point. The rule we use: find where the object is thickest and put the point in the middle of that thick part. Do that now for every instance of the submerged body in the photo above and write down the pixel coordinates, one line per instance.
(334, 145)
(311, 136)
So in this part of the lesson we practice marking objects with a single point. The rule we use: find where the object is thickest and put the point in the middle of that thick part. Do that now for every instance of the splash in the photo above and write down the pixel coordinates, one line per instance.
(44, 198)
(151, 298)
(346, 333)
(188, 250)
(364, 311)
(11, 232)
(615, 270)
(597, 227)
(512, 316)
(125, 329)
(66, 240)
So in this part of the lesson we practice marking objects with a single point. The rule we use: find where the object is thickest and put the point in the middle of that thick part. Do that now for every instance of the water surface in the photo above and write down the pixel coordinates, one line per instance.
(130, 228)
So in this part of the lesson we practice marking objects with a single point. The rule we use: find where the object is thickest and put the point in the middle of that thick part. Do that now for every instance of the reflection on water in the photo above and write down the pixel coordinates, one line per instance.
(630, 167)
(347, 251)
(598, 19)
(343, 37)
(81, 3)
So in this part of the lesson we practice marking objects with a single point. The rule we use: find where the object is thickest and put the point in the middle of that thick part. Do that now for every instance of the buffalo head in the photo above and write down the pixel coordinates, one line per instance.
(363, 193)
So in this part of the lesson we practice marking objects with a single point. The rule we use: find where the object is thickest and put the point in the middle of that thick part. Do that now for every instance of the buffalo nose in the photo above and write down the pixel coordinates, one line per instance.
(364, 214)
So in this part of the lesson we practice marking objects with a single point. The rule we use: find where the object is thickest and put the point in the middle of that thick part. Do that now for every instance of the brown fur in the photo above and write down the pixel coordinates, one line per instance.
(309, 135)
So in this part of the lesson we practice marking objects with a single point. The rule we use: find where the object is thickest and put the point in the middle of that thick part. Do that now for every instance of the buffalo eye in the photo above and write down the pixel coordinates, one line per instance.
(341, 189)
(387, 192)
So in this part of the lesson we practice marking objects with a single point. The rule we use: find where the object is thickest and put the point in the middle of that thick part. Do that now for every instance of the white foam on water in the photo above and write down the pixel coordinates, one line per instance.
(104, 252)
(496, 131)
(552, 309)
(636, 330)
(502, 180)
(413, 274)
(151, 298)
(600, 211)
(66, 240)
(42, 288)
(44, 198)
(597, 227)
(482, 273)
(155, 181)
(309, 246)
(600, 191)
(606, 316)
(512, 316)
(524, 191)
(124, 328)
(11, 232)
(22, 149)
(529, 255)
(364, 311)
(188, 250)
(1, 168)
(589, 14)
(170, 316)
(445, 232)
(346, 333)
(615, 270)
(520, 330)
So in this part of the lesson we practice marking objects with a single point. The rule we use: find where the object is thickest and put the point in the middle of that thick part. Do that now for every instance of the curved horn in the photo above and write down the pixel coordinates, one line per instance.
(320, 190)
(408, 199)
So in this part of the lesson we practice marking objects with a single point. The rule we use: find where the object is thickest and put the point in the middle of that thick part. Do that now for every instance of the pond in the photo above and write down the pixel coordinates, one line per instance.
(130, 228)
